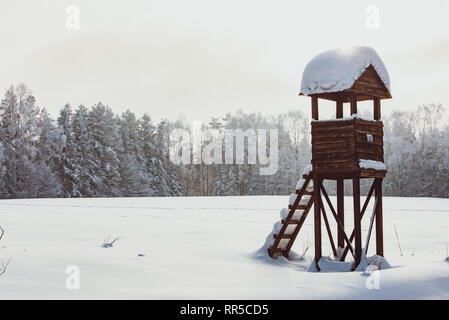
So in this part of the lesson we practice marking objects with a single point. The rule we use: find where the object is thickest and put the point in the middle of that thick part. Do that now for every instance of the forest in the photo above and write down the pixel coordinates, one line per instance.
(93, 152)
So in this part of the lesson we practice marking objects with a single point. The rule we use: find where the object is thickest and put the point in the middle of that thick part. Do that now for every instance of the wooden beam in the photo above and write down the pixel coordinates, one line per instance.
(284, 236)
(370, 229)
(340, 212)
(315, 107)
(353, 101)
(306, 193)
(357, 221)
(298, 207)
(348, 242)
(328, 229)
(376, 106)
(365, 205)
(317, 218)
(368, 197)
(379, 222)
(272, 251)
(339, 108)
(287, 221)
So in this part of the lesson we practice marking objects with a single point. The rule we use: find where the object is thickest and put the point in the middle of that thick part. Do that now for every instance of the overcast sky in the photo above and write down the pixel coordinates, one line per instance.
(198, 59)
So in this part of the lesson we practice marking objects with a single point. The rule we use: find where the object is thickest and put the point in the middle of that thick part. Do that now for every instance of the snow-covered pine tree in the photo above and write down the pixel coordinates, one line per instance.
(67, 167)
(133, 179)
(50, 145)
(84, 168)
(170, 174)
(19, 134)
(3, 191)
(146, 136)
(226, 182)
(104, 162)
(213, 171)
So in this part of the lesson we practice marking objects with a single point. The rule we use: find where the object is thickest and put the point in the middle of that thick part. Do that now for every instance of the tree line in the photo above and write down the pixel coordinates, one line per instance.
(84, 153)
(92, 152)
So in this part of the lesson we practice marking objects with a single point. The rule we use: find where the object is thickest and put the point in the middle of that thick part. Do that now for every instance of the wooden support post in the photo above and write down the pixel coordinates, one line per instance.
(365, 205)
(340, 212)
(339, 109)
(370, 229)
(348, 242)
(328, 229)
(315, 107)
(353, 101)
(317, 216)
(357, 220)
(376, 111)
(379, 222)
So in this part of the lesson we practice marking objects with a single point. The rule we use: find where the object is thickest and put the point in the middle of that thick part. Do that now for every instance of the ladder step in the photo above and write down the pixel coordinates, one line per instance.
(307, 193)
(291, 221)
(272, 250)
(298, 207)
(284, 236)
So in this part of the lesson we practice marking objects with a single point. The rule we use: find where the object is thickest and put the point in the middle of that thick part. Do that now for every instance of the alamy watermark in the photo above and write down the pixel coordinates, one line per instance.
(72, 20)
(372, 20)
(72, 282)
(373, 280)
(213, 146)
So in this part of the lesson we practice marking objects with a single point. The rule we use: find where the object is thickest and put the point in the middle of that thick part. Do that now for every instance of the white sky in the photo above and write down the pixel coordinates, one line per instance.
(204, 58)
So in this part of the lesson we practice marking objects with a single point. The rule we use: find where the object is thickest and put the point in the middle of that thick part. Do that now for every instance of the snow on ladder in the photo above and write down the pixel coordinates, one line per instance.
(292, 219)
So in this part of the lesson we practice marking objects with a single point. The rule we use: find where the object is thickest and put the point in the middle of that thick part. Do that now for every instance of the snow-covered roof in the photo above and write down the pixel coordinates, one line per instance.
(337, 70)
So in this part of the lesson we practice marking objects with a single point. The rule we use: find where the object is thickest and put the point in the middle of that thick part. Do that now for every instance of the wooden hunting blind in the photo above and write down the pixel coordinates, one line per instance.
(342, 148)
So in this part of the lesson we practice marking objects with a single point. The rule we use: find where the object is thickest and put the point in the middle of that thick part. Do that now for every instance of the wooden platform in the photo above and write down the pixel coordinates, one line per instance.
(361, 173)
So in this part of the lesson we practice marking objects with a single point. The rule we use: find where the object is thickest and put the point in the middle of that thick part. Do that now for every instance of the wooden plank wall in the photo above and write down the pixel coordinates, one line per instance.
(333, 146)
(369, 150)
(369, 83)
(338, 145)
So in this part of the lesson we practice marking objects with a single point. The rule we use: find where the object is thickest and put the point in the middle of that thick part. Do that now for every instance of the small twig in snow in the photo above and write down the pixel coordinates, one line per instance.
(397, 237)
(4, 266)
(107, 244)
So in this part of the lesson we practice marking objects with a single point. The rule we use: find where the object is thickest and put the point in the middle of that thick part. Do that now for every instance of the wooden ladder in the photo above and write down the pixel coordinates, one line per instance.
(275, 249)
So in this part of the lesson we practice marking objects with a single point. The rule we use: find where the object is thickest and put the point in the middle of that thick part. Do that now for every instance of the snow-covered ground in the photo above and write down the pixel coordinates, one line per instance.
(205, 248)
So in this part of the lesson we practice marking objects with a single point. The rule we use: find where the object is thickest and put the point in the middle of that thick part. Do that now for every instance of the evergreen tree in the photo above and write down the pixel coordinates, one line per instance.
(67, 167)
(104, 162)
(84, 168)
(169, 174)
(133, 179)
(147, 135)
(50, 145)
(3, 191)
(19, 133)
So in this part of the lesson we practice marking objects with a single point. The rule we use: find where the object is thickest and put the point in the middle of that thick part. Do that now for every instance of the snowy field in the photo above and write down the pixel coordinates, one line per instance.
(205, 248)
